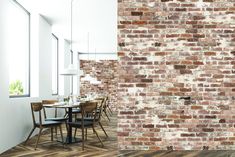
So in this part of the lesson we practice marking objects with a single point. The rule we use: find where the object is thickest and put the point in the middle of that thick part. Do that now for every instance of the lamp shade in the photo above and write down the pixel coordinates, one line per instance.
(71, 70)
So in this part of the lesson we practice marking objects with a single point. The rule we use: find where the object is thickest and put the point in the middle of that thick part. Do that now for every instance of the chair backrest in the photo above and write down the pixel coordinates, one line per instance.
(101, 106)
(36, 107)
(49, 102)
(105, 102)
(89, 108)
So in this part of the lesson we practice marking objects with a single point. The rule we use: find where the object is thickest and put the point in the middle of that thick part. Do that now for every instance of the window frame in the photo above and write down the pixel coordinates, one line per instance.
(57, 65)
(29, 52)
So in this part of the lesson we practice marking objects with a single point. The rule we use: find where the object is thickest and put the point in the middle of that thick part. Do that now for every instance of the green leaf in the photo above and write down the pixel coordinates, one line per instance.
(16, 88)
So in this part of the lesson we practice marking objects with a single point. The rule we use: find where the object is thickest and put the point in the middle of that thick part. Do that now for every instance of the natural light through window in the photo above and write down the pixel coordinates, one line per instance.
(18, 37)
(54, 65)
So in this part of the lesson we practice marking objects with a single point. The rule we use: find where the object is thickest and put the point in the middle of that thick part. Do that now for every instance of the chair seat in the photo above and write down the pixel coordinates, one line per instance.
(79, 124)
(49, 123)
(76, 111)
(56, 119)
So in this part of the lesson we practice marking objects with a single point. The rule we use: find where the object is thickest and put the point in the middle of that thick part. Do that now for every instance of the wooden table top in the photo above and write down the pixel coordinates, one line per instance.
(62, 105)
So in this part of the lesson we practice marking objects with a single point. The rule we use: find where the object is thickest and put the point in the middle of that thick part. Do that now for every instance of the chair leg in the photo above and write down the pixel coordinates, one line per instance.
(103, 129)
(56, 131)
(106, 115)
(66, 125)
(75, 132)
(75, 116)
(98, 136)
(51, 133)
(110, 110)
(39, 134)
(93, 130)
(61, 134)
(86, 134)
(29, 135)
(66, 115)
(83, 139)
(110, 114)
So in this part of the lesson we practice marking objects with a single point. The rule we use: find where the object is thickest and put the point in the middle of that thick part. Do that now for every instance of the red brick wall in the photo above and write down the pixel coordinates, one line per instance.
(177, 79)
(106, 72)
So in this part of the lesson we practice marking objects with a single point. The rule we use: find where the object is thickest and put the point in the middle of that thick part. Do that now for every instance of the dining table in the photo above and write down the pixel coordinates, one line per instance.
(69, 106)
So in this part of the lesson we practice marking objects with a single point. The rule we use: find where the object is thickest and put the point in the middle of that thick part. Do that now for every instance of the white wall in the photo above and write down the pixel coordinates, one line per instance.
(5, 108)
(66, 63)
(45, 48)
(15, 114)
(99, 19)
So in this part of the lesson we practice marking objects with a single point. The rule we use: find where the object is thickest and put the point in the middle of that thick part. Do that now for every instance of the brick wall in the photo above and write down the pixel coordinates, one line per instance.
(106, 72)
(177, 79)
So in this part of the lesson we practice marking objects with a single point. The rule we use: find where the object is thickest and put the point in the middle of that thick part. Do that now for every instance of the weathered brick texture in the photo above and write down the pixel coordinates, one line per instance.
(177, 80)
(106, 72)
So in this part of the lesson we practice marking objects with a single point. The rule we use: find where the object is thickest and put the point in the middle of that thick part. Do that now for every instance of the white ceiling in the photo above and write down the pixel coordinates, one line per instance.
(96, 17)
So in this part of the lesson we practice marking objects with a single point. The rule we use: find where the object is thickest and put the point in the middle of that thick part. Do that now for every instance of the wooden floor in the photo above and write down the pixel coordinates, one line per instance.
(46, 148)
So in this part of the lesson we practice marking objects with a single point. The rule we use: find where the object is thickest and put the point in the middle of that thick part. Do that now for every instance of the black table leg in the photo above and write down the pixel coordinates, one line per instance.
(69, 139)
(70, 128)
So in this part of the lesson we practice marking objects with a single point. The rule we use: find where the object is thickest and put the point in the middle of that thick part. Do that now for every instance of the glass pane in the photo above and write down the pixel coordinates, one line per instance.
(18, 50)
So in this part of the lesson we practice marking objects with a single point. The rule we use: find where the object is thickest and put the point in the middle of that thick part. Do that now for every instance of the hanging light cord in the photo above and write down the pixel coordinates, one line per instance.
(88, 46)
(71, 29)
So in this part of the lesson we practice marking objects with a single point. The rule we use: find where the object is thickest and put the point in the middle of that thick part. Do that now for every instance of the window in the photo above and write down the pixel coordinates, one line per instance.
(54, 65)
(18, 48)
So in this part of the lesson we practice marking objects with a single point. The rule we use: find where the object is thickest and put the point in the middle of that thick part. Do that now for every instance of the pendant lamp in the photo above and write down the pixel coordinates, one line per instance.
(88, 77)
(71, 69)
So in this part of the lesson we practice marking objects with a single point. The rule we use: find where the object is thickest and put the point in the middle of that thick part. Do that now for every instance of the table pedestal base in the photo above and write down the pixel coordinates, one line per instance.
(66, 140)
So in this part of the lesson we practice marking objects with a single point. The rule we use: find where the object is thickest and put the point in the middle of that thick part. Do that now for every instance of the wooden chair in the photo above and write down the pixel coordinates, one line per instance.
(100, 111)
(87, 108)
(36, 107)
(56, 112)
(108, 107)
(100, 101)
(105, 107)
(55, 118)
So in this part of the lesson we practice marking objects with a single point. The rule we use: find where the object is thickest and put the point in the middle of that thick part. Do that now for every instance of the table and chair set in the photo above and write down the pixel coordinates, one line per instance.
(82, 114)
